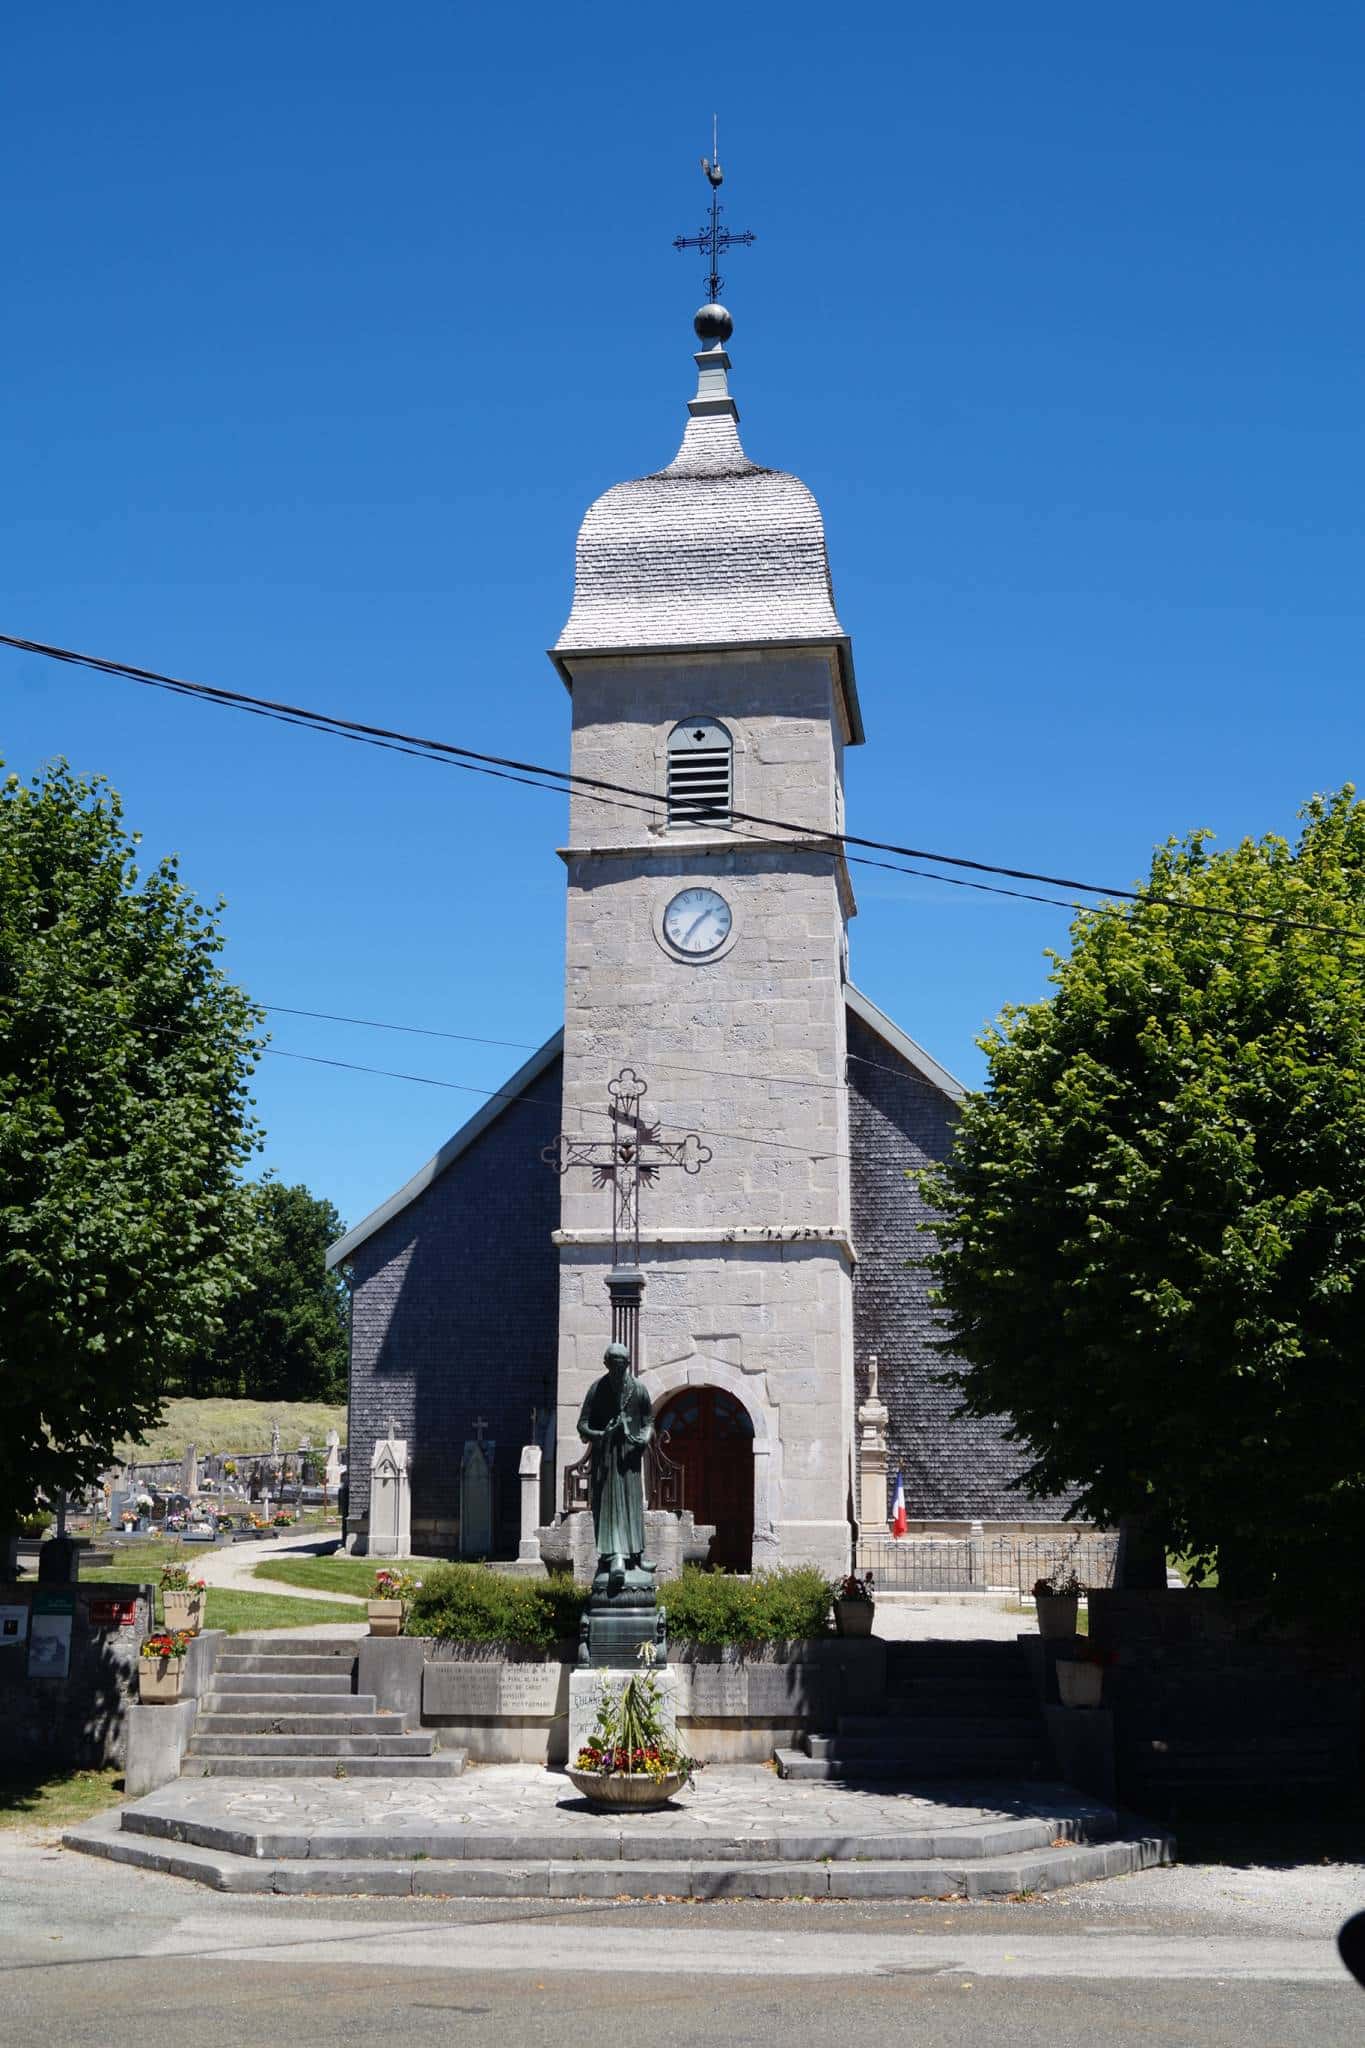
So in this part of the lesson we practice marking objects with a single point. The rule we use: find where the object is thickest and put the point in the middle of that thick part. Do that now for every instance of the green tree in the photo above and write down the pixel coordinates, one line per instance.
(125, 1056)
(1152, 1253)
(284, 1335)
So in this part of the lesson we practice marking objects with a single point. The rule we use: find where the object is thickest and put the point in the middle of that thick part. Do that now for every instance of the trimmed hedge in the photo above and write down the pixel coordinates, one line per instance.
(772, 1607)
(468, 1603)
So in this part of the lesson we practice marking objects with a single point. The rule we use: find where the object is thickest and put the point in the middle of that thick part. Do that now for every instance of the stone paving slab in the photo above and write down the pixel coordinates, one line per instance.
(741, 1804)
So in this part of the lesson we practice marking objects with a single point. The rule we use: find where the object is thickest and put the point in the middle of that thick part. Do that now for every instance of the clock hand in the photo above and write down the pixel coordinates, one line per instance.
(695, 924)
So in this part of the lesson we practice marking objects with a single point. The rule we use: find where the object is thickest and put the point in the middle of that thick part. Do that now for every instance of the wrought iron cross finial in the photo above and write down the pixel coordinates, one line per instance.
(633, 1153)
(715, 239)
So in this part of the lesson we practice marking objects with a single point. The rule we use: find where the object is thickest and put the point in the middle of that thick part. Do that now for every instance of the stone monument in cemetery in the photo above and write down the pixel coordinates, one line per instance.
(476, 1495)
(390, 1500)
(616, 1424)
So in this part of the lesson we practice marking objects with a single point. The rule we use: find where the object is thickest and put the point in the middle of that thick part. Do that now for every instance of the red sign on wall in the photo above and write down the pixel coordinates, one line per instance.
(113, 1613)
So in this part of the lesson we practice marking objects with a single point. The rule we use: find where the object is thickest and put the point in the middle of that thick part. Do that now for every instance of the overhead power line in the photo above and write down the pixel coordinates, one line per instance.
(622, 795)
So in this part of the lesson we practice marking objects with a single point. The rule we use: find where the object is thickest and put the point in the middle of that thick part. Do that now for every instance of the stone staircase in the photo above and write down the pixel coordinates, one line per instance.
(284, 1707)
(953, 1710)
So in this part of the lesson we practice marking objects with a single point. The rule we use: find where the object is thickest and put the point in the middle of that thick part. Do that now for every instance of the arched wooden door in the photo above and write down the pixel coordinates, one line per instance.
(711, 1437)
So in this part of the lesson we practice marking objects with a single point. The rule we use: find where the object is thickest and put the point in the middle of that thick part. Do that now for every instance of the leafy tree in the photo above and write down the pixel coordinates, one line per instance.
(125, 1056)
(284, 1334)
(1152, 1253)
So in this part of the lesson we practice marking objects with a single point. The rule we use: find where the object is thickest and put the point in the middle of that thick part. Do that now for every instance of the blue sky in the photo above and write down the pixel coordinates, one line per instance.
(325, 323)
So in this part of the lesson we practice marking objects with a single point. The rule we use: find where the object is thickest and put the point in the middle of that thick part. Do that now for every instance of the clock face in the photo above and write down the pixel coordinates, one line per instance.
(697, 922)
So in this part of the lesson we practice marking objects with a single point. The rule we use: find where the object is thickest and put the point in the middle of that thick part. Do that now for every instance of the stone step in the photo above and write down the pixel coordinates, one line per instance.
(343, 1647)
(310, 1745)
(893, 1728)
(234, 1663)
(636, 1842)
(965, 1763)
(540, 1878)
(446, 1763)
(265, 1702)
(987, 1753)
(267, 1722)
(286, 1684)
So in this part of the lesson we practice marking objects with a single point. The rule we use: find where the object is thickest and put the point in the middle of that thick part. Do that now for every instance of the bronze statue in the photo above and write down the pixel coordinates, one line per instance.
(616, 1423)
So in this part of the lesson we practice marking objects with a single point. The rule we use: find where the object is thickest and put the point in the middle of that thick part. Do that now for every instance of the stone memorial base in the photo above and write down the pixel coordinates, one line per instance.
(586, 1692)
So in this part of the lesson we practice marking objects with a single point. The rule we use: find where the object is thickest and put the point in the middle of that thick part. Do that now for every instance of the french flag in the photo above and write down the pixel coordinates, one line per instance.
(900, 1521)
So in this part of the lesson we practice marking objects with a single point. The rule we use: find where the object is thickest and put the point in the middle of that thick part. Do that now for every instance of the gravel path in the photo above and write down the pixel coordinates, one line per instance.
(234, 1565)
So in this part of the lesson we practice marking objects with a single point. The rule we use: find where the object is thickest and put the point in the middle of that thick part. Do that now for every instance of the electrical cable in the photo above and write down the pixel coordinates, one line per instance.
(504, 768)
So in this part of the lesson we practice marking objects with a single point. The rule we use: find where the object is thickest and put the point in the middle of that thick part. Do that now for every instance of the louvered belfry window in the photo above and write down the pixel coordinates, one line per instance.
(700, 761)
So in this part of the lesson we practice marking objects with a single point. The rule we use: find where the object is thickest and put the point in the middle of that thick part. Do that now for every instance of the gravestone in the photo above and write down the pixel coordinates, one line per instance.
(331, 1477)
(528, 1550)
(476, 1499)
(390, 1499)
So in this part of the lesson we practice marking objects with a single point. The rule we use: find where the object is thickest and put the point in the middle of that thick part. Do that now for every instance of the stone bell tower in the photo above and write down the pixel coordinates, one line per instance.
(708, 669)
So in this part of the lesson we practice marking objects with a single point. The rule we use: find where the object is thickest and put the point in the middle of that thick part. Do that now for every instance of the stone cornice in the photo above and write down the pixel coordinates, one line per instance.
(773, 1240)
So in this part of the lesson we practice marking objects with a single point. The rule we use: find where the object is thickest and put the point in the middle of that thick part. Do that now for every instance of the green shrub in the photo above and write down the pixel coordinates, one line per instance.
(36, 1524)
(468, 1603)
(771, 1607)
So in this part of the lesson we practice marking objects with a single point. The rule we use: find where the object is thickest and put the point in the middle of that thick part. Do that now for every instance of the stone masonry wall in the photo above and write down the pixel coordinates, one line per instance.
(748, 1260)
(954, 1470)
(453, 1316)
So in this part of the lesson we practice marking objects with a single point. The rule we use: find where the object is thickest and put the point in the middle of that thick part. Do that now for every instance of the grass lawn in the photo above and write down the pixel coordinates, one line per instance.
(221, 1425)
(332, 1574)
(225, 1606)
(236, 1612)
(32, 1799)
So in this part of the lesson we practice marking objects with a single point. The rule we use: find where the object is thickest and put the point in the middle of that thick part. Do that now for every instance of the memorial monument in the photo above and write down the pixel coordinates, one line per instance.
(616, 1424)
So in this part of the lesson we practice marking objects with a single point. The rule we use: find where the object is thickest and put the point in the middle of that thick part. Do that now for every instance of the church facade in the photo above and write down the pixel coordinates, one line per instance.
(713, 696)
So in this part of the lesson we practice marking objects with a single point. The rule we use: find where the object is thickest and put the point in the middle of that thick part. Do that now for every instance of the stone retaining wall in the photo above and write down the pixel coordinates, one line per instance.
(76, 1720)
(504, 1704)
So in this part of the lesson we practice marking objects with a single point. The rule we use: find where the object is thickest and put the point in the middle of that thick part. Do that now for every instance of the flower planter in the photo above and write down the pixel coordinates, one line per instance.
(1079, 1683)
(184, 1610)
(159, 1680)
(854, 1617)
(635, 1790)
(1056, 1615)
(386, 1617)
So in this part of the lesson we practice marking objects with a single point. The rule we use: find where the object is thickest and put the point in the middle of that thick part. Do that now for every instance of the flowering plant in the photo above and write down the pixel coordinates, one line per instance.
(175, 1578)
(392, 1585)
(230, 1468)
(630, 1739)
(143, 1503)
(167, 1642)
(854, 1588)
(1062, 1585)
(224, 1522)
(282, 1520)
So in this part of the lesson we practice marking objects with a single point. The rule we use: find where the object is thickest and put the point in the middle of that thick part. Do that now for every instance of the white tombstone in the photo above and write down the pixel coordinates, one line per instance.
(476, 1500)
(528, 1551)
(331, 1477)
(390, 1501)
(189, 1472)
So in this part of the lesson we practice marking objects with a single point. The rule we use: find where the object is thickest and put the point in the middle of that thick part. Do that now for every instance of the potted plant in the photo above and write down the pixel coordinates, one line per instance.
(854, 1604)
(143, 1504)
(630, 1759)
(182, 1598)
(1080, 1679)
(1056, 1599)
(388, 1602)
(282, 1520)
(161, 1666)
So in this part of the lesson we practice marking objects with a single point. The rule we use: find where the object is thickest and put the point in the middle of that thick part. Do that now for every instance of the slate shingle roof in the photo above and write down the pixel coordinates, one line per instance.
(712, 551)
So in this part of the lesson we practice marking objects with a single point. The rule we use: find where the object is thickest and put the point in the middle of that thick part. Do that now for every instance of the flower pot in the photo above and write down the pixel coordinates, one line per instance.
(854, 1617)
(159, 1680)
(1056, 1615)
(636, 1790)
(386, 1617)
(184, 1610)
(1079, 1682)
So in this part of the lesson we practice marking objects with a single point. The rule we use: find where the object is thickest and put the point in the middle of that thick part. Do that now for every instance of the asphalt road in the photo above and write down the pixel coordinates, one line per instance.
(91, 1953)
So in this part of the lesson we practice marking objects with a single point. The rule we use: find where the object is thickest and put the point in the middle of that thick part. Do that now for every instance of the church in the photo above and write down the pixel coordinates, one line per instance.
(723, 1108)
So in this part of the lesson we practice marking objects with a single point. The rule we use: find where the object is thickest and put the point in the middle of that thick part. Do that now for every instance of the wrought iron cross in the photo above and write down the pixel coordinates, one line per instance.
(631, 1157)
(715, 239)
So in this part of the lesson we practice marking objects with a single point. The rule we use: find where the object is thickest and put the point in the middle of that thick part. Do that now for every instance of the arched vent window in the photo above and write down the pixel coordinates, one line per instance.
(700, 764)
